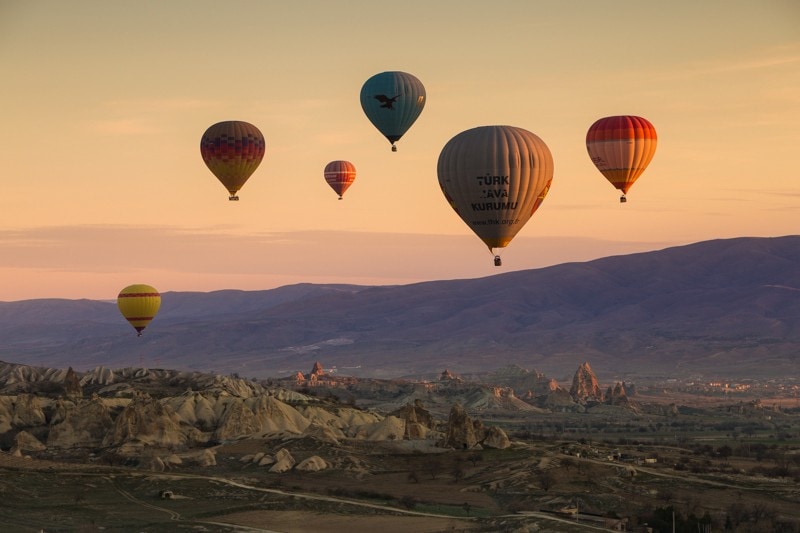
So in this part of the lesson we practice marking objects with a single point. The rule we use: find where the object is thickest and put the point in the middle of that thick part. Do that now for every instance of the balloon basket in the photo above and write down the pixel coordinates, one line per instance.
(233, 198)
(622, 199)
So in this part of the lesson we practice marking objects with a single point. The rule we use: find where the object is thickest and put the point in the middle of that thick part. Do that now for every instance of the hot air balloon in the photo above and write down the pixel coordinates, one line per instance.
(621, 147)
(139, 304)
(392, 101)
(232, 150)
(340, 175)
(495, 178)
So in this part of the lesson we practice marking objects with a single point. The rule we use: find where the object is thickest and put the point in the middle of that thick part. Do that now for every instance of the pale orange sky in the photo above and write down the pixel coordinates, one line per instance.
(105, 103)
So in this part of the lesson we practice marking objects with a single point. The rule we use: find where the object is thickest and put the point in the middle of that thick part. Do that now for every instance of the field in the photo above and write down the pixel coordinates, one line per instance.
(712, 468)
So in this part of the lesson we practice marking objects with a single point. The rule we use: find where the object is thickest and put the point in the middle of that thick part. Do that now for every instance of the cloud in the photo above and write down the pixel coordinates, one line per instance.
(93, 259)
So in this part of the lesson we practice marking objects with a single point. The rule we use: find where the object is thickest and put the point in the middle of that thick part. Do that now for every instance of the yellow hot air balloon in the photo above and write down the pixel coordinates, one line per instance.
(495, 178)
(232, 150)
(621, 147)
(139, 304)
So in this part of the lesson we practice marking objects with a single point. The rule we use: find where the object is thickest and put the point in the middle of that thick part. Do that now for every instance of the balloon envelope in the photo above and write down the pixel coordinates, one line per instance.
(232, 150)
(139, 304)
(340, 175)
(621, 147)
(495, 178)
(393, 101)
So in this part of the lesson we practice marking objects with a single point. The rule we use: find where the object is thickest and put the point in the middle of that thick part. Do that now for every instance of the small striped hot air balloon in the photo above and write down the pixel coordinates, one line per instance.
(340, 175)
(232, 150)
(139, 304)
(621, 147)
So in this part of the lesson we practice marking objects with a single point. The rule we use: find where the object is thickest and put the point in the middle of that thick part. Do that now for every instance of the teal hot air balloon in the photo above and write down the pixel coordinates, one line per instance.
(393, 101)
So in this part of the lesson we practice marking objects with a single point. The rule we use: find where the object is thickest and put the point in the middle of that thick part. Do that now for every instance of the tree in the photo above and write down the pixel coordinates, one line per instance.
(458, 471)
(409, 502)
(434, 466)
(546, 479)
(724, 451)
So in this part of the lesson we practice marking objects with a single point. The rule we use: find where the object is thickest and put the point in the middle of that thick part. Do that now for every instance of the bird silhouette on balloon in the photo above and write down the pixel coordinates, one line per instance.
(386, 101)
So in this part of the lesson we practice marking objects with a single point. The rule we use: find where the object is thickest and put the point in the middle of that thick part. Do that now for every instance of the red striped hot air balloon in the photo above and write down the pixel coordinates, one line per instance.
(621, 147)
(232, 150)
(139, 304)
(340, 175)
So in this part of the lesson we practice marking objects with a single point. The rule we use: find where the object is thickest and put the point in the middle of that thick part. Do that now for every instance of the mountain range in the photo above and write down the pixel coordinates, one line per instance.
(727, 307)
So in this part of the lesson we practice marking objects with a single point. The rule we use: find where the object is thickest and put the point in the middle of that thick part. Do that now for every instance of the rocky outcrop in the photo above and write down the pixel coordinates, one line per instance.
(283, 461)
(464, 433)
(237, 420)
(418, 420)
(390, 428)
(328, 434)
(313, 464)
(446, 375)
(585, 386)
(24, 442)
(146, 421)
(27, 412)
(616, 395)
(274, 416)
(199, 409)
(460, 429)
(495, 437)
(317, 370)
(72, 385)
(559, 401)
(83, 425)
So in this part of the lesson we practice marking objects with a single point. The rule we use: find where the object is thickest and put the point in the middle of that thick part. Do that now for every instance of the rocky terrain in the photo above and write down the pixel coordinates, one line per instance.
(167, 416)
(508, 450)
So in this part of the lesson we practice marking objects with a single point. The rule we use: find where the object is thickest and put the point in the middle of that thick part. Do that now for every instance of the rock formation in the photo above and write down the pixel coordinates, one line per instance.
(81, 425)
(25, 442)
(27, 411)
(390, 428)
(418, 420)
(495, 437)
(72, 385)
(317, 370)
(312, 464)
(585, 386)
(146, 421)
(283, 461)
(460, 429)
(617, 395)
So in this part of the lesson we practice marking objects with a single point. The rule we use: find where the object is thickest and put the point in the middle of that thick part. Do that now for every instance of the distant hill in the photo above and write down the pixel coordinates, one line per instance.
(722, 307)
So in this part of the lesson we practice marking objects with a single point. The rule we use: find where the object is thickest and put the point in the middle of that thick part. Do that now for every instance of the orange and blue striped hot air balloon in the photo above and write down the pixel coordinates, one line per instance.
(232, 150)
(340, 175)
(621, 147)
(139, 304)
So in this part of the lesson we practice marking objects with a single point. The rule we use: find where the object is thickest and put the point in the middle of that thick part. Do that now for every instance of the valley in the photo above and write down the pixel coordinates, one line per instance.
(326, 453)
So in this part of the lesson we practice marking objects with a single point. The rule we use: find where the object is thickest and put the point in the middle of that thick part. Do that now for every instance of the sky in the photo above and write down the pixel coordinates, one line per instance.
(105, 103)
